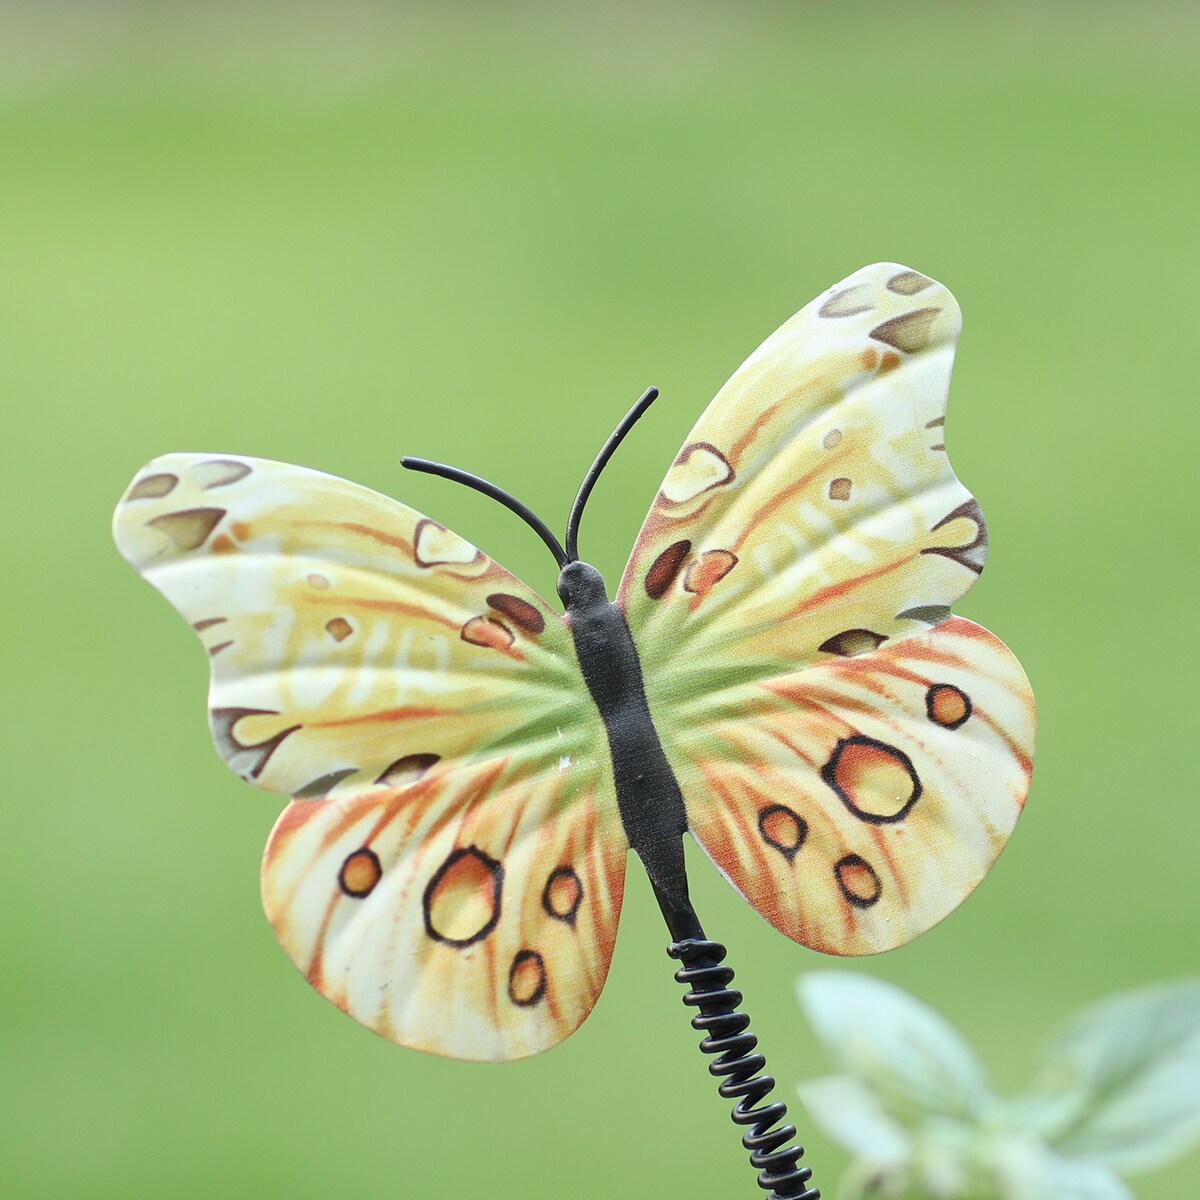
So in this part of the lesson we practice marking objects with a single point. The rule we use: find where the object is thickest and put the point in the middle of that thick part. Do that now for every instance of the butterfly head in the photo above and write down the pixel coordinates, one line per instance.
(581, 586)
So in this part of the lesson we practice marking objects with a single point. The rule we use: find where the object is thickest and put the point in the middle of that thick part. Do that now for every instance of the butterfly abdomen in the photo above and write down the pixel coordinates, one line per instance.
(648, 795)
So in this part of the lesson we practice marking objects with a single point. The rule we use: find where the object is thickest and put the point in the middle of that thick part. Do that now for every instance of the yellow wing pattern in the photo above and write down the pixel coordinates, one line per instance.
(425, 709)
(812, 518)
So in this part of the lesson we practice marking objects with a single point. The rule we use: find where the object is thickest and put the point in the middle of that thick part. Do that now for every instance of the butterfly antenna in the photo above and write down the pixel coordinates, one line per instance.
(496, 493)
(589, 480)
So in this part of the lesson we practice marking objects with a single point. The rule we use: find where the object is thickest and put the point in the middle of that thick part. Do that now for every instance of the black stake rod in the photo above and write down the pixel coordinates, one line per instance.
(739, 1066)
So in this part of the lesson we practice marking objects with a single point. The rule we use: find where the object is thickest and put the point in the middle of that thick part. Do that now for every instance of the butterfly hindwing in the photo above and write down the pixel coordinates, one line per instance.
(857, 802)
(417, 701)
(472, 913)
(812, 523)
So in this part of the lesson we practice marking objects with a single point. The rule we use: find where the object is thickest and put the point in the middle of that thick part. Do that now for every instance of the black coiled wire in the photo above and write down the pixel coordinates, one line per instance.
(739, 1065)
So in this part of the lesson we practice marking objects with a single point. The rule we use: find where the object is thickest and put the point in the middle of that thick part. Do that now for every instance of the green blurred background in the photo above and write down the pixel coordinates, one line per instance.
(336, 233)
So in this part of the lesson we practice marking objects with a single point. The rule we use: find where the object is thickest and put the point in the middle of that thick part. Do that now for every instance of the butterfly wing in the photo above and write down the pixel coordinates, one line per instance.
(472, 913)
(858, 802)
(450, 869)
(789, 595)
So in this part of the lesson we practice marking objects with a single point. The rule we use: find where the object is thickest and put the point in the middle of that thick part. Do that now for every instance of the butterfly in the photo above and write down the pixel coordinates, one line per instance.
(780, 675)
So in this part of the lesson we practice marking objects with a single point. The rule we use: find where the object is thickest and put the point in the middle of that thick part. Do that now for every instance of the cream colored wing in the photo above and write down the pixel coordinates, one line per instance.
(857, 802)
(472, 913)
(366, 660)
(812, 511)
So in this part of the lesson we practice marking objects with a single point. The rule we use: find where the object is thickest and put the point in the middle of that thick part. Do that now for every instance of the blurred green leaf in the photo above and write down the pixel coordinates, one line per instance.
(1043, 1115)
(1121, 1093)
(847, 1110)
(1136, 1057)
(910, 1055)
(1027, 1170)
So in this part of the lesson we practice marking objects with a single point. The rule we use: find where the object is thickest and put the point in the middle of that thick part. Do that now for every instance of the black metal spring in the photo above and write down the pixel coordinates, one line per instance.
(738, 1065)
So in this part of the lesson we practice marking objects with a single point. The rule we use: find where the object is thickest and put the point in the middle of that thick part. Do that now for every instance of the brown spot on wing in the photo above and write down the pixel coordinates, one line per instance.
(858, 880)
(699, 468)
(520, 612)
(970, 554)
(434, 546)
(931, 614)
(563, 894)
(665, 568)
(462, 901)
(360, 873)
(908, 283)
(527, 978)
(851, 642)
(189, 528)
(408, 769)
(219, 472)
(947, 705)
(831, 439)
(320, 582)
(319, 788)
(909, 331)
(849, 302)
(208, 623)
(839, 489)
(339, 629)
(246, 759)
(708, 570)
(153, 487)
(876, 782)
(782, 829)
(488, 632)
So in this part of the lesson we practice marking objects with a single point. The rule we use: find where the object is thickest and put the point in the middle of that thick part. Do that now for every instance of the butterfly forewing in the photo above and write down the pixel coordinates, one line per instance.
(810, 521)
(813, 508)
(426, 710)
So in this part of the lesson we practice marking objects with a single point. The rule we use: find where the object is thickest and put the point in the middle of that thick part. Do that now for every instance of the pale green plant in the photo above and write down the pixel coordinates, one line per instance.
(1117, 1093)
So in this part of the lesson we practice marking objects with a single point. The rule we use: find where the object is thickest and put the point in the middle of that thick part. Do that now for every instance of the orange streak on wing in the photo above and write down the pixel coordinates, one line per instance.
(417, 795)
(377, 535)
(768, 508)
(806, 694)
(410, 713)
(881, 842)
(398, 606)
(831, 713)
(779, 736)
(491, 982)
(834, 590)
(731, 815)
(763, 417)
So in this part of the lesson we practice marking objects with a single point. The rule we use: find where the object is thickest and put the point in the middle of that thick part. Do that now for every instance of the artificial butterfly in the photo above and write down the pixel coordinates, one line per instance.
(780, 674)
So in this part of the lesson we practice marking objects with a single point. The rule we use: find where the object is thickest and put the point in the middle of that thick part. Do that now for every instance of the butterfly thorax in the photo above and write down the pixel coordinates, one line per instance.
(648, 795)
